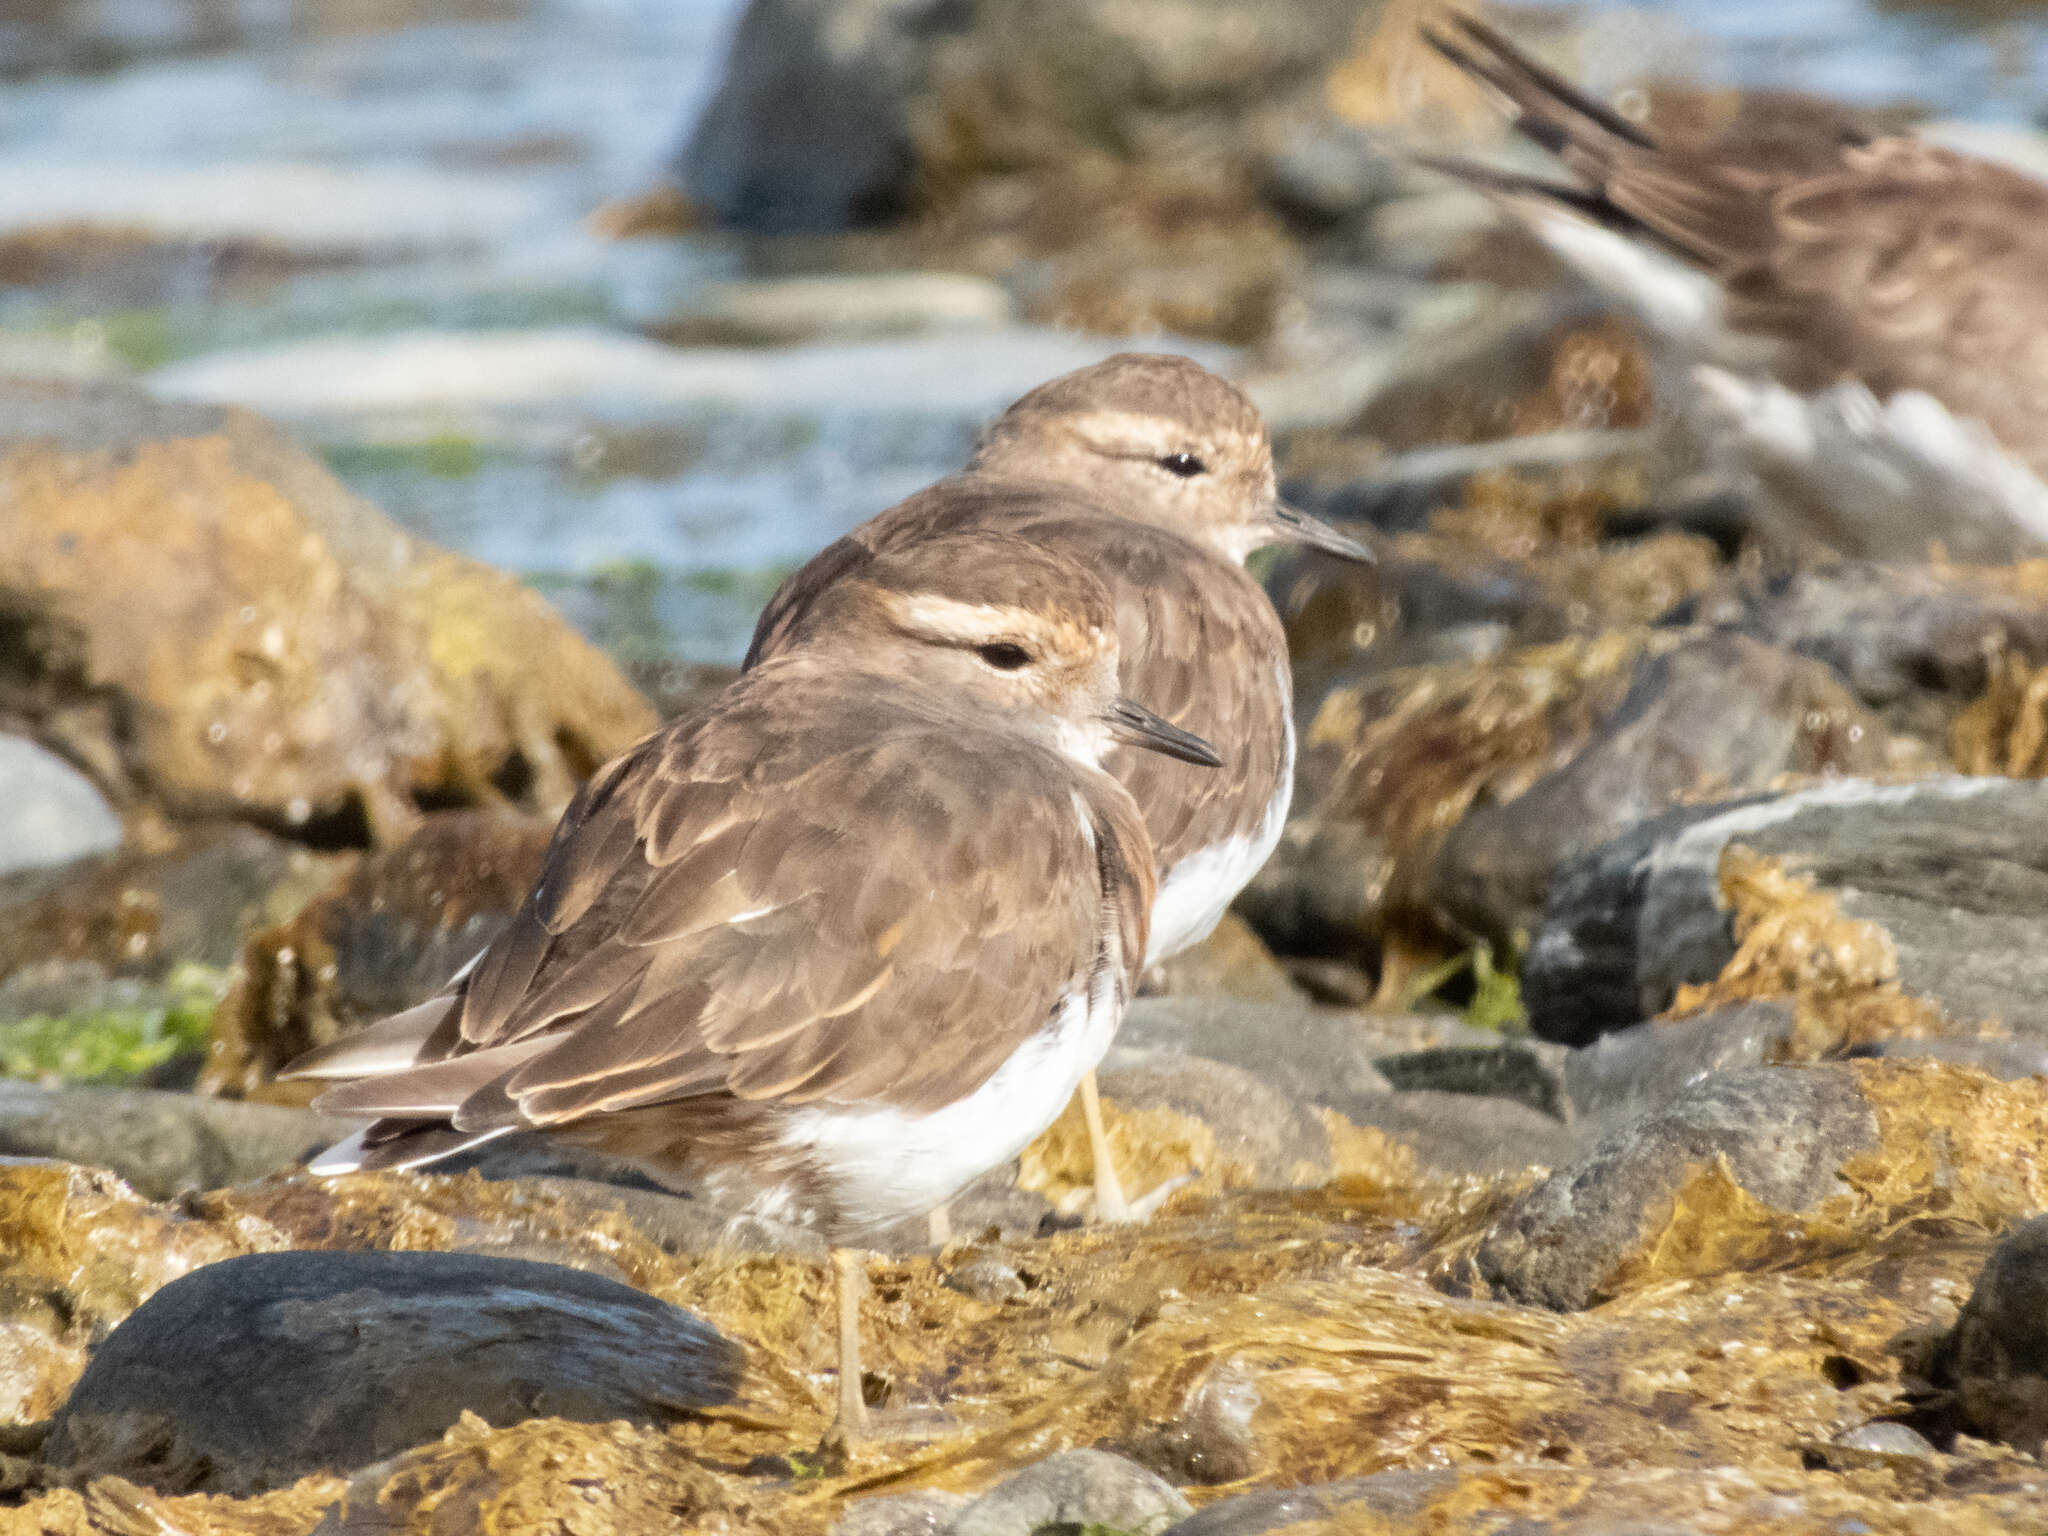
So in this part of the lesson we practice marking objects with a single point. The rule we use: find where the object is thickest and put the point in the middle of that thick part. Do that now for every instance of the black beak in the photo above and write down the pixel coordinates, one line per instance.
(1135, 724)
(1297, 527)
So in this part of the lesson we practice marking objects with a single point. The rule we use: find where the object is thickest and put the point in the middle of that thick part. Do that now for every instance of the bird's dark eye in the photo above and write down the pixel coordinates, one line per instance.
(1003, 656)
(1186, 465)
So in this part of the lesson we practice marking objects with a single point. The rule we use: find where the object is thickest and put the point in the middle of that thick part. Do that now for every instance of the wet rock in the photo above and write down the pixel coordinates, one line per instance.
(1075, 1489)
(206, 1387)
(1765, 1161)
(835, 307)
(1457, 792)
(52, 814)
(1995, 1359)
(386, 935)
(73, 937)
(1905, 909)
(1637, 1069)
(208, 623)
(1231, 962)
(161, 1143)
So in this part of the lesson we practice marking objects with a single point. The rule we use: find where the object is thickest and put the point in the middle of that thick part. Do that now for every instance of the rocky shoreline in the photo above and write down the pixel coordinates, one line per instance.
(1618, 1107)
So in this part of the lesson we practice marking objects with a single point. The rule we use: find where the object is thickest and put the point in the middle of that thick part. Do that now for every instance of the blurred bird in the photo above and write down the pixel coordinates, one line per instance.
(1157, 475)
(830, 949)
(1854, 319)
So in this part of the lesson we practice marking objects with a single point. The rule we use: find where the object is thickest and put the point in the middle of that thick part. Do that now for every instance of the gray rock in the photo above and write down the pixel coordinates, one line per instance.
(925, 1513)
(828, 109)
(249, 1374)
(1396, 1498)
(1784, 1133)
(1463, 1133)
(1530, 1072)
(2006, 1060)
(1313, 1055)
(50, 813)
(1913, 641)
(809, 129)
(1637, 1069)
(1075, 1490)
(1277, 1140)
(1600, 960)
(1721, 710)
(1995, 1360)
(1955, 870)
(161, 1143)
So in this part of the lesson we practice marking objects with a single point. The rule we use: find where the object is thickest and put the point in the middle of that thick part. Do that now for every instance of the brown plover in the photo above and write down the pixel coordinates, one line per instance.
(1852, 318)
(831, 948)
(1158, 476)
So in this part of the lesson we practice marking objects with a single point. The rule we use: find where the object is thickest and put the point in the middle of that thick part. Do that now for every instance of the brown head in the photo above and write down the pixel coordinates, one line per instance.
(993, 623)
(1161, 440)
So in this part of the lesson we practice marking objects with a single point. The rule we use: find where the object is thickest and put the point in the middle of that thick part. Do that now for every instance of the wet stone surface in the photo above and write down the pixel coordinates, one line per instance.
(206, 1387)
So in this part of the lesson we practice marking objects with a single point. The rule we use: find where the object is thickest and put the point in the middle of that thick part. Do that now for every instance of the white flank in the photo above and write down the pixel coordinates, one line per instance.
(883, 1165)
(1200, 888)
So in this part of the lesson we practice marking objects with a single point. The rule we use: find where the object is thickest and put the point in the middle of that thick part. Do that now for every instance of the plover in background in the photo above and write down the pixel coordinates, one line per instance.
(831, 948)
(1157, 475)
(1853, 322)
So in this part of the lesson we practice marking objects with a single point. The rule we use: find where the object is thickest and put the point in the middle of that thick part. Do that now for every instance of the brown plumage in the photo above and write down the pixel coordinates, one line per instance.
(1081, 465)
(862, 879)
(832, 947)
(1851, 252)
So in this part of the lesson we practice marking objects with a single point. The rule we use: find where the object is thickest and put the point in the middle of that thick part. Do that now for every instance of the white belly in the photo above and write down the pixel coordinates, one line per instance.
(883, 1166)
(1198, 890)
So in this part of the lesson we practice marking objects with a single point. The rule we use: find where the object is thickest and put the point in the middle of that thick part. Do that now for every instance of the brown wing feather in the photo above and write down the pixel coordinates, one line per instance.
(794, 950)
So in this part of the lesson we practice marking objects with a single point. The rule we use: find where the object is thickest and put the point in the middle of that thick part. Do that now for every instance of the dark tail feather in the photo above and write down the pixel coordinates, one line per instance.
(1547, 108)
(1512, 184)
(397, 1144)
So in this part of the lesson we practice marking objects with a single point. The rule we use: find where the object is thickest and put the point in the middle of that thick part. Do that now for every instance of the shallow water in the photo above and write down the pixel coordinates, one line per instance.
(369, 217)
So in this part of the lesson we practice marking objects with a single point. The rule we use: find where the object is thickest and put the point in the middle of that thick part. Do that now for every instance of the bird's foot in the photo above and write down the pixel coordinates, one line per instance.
(1121, 1211)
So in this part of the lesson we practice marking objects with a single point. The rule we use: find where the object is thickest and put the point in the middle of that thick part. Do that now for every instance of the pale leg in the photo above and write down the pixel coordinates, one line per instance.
(1110, 1204)
(941, 1226)
(850, 1424)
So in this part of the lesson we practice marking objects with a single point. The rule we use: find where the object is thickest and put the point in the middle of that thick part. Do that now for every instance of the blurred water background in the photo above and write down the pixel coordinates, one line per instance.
(373, 219)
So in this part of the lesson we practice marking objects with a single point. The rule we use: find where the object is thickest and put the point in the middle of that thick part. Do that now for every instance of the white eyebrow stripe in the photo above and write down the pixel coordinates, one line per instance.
(956, 620)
